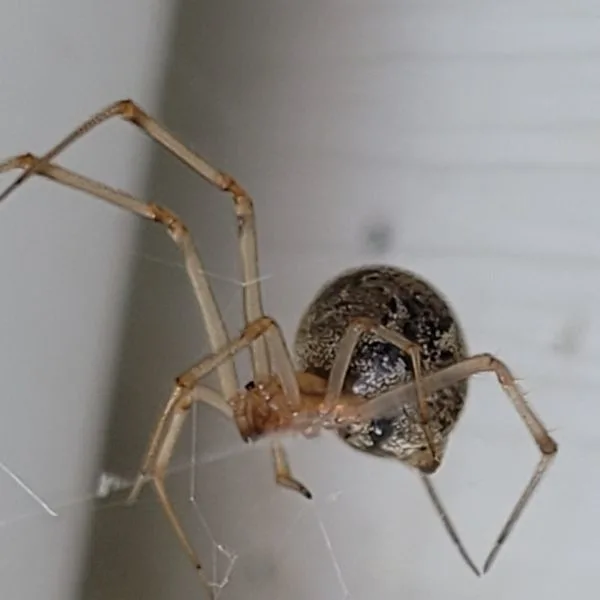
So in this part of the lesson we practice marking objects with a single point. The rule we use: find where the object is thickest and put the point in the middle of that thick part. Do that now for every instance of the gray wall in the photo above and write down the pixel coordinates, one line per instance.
(65, 263)
(457, 140)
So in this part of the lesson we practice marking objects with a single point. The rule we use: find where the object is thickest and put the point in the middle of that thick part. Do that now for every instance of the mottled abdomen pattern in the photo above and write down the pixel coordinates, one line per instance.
(406, 304)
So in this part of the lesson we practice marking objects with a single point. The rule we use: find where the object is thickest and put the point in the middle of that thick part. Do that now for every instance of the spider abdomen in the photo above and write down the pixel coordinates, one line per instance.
(405, 304)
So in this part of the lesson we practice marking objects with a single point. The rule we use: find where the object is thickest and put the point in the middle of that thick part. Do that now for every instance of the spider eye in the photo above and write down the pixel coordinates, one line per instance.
(250, 386)
(381, 430)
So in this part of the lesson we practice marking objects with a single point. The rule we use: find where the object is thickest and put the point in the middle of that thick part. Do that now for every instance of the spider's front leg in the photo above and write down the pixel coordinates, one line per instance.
(131, 112)
(188, 391)
(157, 456)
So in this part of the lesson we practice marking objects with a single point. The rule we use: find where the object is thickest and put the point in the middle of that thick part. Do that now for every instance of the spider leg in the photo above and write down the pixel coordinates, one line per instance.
(156, 459)
(253, 309)
(176, 229)
(162, 455)
(450, 529)
(343, 357)
(209, 396)
(265, 328)
(393, 401)
(282, 359)
(283, 474)
(280, 355)
(131, 112)
(186, 392)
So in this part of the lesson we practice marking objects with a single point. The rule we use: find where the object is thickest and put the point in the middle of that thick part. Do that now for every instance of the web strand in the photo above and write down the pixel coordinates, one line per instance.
(38, 499)
(329, 545)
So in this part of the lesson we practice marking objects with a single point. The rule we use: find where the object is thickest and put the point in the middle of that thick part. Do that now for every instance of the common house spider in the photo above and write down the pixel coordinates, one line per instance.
(381, 357)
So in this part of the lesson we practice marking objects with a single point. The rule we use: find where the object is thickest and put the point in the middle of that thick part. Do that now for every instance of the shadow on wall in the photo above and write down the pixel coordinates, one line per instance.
(132, 551)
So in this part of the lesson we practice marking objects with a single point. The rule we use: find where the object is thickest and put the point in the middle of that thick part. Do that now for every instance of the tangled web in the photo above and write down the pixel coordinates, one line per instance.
(222, 564)
(252, 536)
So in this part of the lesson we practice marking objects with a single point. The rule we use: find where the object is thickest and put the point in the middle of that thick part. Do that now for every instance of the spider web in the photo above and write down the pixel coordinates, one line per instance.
(223, 558)
(230, 560)
(253, 537)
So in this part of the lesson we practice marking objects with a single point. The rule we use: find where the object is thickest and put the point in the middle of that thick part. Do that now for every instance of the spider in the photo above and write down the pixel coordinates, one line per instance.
(381, 357)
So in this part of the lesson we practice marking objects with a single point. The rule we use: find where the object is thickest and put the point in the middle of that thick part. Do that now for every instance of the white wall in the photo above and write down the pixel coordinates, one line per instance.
(463, 134)
(64, 262)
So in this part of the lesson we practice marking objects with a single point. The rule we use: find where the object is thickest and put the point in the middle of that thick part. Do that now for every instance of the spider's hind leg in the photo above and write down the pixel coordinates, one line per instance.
(341, 364)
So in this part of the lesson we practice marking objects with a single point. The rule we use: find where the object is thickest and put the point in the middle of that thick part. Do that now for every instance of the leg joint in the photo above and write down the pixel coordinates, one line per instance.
(234, 188)
(257, 328)
(548, 447)
(169, 219)
(363, 324)
(129, 110)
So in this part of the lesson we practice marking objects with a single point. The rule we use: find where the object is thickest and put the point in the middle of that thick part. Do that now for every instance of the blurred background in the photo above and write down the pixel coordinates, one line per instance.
(458, 139)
